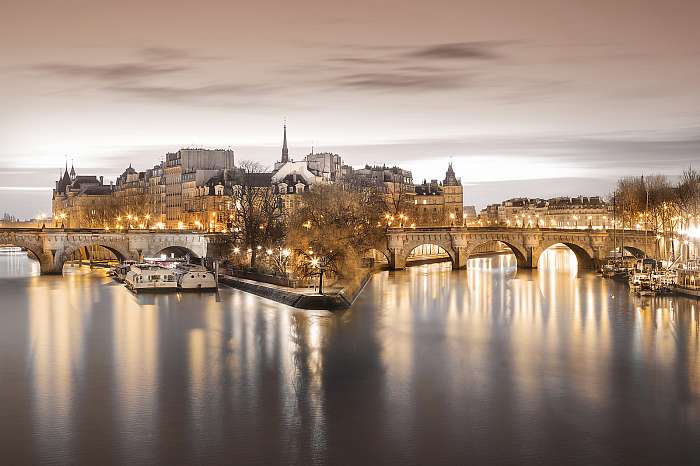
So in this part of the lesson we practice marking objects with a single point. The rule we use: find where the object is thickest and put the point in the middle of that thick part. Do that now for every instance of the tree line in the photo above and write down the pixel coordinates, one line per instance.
(656, 203)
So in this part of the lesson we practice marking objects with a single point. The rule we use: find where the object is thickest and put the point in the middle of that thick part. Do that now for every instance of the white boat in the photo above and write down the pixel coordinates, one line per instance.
(119, 272)
(11, 251)
(194, 277)
(688, 280)
(149, 277)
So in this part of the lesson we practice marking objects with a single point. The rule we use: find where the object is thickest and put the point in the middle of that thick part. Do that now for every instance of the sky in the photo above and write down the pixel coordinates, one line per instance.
(538, 98)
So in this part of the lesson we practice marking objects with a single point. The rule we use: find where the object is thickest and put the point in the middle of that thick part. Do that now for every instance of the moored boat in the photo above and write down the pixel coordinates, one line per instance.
(194, 277)
(148, 277)
(119, 272)
(688, 279)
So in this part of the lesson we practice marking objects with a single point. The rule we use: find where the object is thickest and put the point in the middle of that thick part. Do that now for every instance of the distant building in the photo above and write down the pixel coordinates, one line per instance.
(185, 170)
(292, 178)
(81, 201)
(558, 212)
(469, 213)
(440, 203)
(326, 165)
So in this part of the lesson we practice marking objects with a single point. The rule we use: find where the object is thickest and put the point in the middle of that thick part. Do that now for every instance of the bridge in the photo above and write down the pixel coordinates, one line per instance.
(590, 246)
(53, 247)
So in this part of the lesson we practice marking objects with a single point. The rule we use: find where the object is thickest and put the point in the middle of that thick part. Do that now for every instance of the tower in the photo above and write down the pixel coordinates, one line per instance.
(450, 177)
(72, 171)
(285, 150)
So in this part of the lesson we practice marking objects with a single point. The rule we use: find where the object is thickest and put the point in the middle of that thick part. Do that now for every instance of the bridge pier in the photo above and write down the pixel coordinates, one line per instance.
(397, 259)
(461, 258)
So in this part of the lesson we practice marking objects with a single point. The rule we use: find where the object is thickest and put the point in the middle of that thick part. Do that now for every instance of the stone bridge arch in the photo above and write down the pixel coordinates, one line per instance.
(518, 249)
(446, 246)
(30, 243)
(120, 251)
(586, 256)
(195, 247)
(636, 250)
(382, 249)
(414, 240)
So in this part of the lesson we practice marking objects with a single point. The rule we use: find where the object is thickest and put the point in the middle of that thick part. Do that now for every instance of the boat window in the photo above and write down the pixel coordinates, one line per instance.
(192, 276)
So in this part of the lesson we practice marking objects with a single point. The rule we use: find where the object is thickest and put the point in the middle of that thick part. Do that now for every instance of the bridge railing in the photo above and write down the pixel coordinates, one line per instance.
(102, 230)
(517, 229)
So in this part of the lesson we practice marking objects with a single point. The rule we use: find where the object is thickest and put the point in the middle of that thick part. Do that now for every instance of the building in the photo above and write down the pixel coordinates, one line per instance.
(292, 178)
(559, 212)
(81, 201)
(440, 203)
(325, 165)
(578, 212)
(181, 178)
(394, 182)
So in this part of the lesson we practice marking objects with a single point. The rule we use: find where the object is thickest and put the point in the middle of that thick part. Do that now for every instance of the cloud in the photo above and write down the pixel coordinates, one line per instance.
(196, 92)
(408, 68)
(457, 51)
(360, 60)
(397, 81)
(173, 54)
(114, 72)
(613, 154)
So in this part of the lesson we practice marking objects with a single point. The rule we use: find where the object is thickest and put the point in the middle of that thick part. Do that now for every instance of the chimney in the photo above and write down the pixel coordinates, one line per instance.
(102, 178)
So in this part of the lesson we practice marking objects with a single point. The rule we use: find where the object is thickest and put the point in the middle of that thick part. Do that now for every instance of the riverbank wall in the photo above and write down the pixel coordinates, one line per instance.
(301, 299)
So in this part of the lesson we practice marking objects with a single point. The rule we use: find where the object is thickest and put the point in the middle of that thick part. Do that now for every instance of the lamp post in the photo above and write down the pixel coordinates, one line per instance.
(316, 262)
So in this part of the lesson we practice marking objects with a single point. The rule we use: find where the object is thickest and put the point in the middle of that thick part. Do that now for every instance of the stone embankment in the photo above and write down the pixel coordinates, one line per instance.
(302, 298)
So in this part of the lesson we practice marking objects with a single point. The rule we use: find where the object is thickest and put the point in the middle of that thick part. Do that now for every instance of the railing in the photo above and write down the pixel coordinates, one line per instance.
(110, 231)
(500, 228)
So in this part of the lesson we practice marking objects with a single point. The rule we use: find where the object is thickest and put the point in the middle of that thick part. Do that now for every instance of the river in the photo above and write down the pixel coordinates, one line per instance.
(489, 365)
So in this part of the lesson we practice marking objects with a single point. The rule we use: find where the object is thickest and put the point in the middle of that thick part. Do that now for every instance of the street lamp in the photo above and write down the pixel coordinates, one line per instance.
(316, 262)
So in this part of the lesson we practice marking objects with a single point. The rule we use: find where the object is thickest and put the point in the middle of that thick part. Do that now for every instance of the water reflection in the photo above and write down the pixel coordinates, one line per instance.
(18, 265)
(488, 365)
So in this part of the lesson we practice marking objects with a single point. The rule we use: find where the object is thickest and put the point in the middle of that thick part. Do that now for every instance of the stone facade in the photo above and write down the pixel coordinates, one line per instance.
(440, 203)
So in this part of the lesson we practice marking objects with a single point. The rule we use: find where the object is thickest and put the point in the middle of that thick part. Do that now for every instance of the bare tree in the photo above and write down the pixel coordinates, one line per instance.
(257, 221)
(334, 227)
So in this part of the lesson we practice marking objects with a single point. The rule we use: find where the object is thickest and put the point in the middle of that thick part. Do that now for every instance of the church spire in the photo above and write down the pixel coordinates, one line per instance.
(285, 150)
